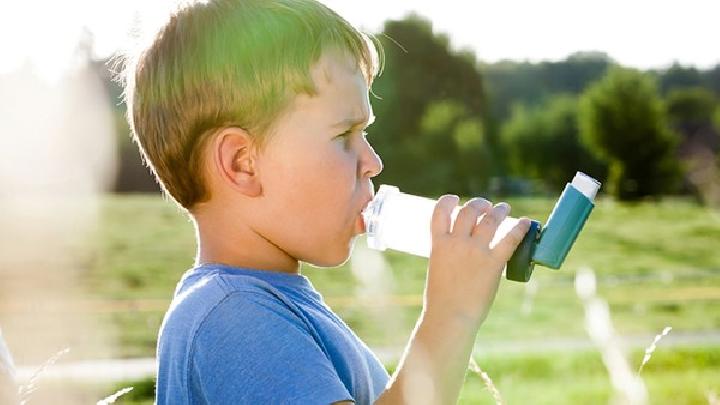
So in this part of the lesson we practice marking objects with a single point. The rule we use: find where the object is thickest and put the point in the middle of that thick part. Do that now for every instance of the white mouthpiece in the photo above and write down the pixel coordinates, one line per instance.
(586, 185)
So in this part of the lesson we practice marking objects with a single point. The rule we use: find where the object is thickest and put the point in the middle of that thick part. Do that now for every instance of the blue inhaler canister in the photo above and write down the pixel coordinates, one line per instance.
(549, 245)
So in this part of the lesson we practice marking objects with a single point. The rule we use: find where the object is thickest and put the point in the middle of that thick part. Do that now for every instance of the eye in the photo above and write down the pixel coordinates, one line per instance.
(345, 137)
(345, 134)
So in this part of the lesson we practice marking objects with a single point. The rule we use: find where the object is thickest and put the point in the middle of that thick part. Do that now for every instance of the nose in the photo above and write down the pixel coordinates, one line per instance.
(370, 164)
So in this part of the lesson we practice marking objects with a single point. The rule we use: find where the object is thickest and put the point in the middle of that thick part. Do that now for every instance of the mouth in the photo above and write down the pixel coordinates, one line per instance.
(359, 225)
(360, 221)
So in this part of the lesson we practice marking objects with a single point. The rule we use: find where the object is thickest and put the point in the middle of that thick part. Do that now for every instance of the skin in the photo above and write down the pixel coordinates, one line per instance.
(298, 199)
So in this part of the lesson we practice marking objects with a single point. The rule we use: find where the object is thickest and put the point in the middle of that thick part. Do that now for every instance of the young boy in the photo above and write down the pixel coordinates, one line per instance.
(251, 115)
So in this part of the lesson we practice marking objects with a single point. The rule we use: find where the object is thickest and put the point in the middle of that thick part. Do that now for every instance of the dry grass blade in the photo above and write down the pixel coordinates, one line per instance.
(6, 361)
(487, 380)
(629, 387)
(112, 398)
(650, 349)
(25, 390)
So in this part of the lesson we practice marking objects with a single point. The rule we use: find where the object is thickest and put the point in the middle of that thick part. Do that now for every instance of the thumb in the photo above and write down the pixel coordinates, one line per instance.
(507, 245)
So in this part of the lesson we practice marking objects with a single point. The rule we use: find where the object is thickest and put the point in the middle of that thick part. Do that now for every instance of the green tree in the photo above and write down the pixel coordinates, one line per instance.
(678, 76)
(691, 113)
(544, 143)
(711, 79)
(448, 129)
(425, 94)
(623, 120)
(509, 82)
(691, 108)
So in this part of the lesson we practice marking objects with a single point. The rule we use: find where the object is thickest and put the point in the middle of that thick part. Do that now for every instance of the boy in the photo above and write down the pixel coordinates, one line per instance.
(251, 115)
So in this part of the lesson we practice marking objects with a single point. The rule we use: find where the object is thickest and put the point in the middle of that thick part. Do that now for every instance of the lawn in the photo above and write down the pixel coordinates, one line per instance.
(657, 265)
(676, 376)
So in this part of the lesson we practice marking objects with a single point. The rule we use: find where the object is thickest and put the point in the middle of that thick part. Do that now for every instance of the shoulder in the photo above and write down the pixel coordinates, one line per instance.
(214, 293)
(243, 311)
(213, 306)
(245, 346)
(250, 312)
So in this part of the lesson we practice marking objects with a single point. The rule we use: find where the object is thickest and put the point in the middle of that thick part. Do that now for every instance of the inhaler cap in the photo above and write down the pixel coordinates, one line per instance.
(586, 185)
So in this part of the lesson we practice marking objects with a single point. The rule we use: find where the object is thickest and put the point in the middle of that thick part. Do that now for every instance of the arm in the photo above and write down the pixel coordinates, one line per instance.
(463, 277)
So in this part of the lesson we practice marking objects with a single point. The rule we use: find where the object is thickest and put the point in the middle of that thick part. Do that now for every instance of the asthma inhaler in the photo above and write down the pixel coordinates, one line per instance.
(549, 247)
(399, 221)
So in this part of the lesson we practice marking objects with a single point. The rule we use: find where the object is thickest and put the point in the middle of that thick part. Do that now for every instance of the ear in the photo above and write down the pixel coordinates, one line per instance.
(234, 154)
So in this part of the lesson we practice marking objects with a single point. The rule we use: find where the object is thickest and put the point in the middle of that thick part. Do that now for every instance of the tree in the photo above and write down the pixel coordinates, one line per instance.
(508, 82)
(691, 114)
(544, 143)
(711, 79)
(690, 111)
(448, 129)
(423, 80)
(678, 76)
(693, 105)
(623, 120)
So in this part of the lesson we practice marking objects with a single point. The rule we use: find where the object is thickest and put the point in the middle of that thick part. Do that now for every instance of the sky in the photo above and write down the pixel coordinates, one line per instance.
(638, 33)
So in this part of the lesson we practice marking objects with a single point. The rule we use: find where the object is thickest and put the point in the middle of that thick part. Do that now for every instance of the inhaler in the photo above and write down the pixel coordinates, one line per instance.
(399, 221)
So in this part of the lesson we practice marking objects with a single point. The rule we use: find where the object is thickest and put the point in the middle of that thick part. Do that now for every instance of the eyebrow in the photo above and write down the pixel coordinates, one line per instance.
(355, 122)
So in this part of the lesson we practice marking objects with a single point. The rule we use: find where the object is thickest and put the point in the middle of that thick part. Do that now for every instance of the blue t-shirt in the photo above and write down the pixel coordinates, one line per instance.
(242, 336)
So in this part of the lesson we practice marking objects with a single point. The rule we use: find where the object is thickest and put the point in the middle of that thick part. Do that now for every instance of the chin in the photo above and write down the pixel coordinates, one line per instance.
(327, 262)
(335, 258)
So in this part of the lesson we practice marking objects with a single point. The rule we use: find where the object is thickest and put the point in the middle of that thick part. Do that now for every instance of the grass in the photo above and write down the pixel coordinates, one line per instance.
(656, 263)
(673, 376)
(662, 254)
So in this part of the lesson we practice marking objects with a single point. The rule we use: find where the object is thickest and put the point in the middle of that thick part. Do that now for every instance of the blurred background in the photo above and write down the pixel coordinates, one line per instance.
(506, 101)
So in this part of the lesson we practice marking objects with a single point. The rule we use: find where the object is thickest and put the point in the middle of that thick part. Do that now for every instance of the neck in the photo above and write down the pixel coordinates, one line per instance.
(235, 243)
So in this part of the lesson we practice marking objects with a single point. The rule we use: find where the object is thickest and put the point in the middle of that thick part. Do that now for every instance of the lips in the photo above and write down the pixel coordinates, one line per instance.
(359, 225)
(360, 221)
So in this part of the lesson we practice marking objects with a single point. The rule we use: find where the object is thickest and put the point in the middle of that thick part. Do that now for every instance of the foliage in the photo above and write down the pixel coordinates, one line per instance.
(544, 142)
(692, 105)
(430, 127)
(623, 120)
(678, 76)
(510, 83)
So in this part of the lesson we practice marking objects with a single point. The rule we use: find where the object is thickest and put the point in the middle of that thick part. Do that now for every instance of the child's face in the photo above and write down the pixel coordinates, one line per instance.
(315, 181)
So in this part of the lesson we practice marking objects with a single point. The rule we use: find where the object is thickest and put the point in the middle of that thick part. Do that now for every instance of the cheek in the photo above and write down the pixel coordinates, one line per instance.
(334, 184)
(329, 171)
(341, 166)
(319, 186)
(333, 178)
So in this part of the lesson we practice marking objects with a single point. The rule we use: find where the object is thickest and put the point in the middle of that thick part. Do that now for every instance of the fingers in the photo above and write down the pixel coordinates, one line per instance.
(486, 228)
(441, 222)
(507, 245)
(468, 215)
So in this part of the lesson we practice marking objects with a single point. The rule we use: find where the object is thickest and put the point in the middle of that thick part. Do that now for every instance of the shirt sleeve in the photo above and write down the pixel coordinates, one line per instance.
(252, 349)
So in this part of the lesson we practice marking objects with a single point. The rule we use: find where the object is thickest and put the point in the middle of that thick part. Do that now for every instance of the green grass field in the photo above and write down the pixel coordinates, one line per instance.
(657, 265)
(673, 377)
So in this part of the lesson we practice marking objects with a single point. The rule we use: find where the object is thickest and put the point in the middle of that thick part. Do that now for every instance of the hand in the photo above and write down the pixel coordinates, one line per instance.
(463, 272)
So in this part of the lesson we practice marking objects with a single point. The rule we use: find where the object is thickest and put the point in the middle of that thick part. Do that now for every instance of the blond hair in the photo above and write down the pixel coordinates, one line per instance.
(228, 63)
